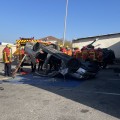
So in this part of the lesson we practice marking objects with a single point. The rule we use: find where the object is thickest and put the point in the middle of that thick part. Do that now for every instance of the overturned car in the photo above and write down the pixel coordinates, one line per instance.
(55, 62)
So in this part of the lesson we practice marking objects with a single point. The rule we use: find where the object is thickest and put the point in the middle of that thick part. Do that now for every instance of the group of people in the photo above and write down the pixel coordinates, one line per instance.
(67, 50)
(85, 54)
(7, 59)
(88, 54)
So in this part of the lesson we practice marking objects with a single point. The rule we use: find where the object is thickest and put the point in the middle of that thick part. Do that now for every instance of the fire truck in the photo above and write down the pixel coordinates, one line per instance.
(20, 44)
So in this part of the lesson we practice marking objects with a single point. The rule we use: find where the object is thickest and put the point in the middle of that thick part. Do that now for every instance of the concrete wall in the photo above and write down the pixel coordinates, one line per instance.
(3, 46)
(111, 42)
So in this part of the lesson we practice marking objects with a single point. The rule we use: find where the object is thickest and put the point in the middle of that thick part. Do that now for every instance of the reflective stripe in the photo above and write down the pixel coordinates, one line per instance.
(5, 58)
(84, 52)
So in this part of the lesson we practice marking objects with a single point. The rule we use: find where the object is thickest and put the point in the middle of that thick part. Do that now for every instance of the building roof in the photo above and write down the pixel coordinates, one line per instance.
(50, 38)
(22, 38)
(94, 37)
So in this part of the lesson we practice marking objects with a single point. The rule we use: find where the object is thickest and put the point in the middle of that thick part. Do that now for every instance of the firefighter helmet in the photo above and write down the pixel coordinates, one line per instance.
(8, 45)
(61, 45)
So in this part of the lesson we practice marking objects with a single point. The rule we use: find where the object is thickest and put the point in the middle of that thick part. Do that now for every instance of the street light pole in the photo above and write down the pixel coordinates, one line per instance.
(65, 22)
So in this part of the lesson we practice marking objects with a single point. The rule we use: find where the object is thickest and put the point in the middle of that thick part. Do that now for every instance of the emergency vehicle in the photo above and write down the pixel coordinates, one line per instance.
(20, 44)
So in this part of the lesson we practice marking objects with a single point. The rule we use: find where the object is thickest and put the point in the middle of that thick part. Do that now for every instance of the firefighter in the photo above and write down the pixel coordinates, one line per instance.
(33, 67)
(62, 49)
(75, 52)
(84, 53)
(92, 54)
(40, 64)
(7, 59)
(99, 56)
(42, 57)
(78, 54)
(69, 51)
(61, 46)
(21, 55)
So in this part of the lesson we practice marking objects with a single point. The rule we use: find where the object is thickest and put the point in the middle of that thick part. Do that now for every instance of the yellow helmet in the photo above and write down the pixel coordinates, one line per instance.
(8, 45)
(61, 45)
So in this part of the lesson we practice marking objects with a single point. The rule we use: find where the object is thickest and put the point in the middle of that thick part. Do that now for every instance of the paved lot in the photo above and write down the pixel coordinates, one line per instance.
(30, 97)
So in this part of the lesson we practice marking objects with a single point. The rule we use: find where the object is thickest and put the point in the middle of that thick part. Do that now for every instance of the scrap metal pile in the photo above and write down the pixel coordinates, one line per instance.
(55, 62)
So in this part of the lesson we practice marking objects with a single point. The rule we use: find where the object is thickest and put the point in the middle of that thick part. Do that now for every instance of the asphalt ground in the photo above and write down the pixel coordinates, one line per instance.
(30, 97)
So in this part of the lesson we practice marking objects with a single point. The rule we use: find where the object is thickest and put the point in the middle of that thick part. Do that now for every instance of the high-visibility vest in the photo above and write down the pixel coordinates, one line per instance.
(78, 54)
(99, 55)
(21, 54)
(92, 54)
(69, 52)
(75, 52)
(7, 55)
(63, 50)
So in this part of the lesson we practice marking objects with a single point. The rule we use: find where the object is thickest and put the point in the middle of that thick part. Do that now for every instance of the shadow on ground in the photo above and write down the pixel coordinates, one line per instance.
(86, 92)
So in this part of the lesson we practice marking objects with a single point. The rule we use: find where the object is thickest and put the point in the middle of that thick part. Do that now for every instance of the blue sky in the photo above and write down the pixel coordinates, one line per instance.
(41, 18)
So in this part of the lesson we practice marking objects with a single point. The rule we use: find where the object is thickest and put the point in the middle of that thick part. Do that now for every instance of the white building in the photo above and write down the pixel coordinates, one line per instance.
(110, 41)
(4, 43)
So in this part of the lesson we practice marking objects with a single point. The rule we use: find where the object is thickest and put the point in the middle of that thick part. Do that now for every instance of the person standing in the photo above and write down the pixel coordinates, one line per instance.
(33, 67)
(69, 51)
(92, 54)
(21, 55)
(75, 52)
(63, 49)
(84, 54)
(7, 59)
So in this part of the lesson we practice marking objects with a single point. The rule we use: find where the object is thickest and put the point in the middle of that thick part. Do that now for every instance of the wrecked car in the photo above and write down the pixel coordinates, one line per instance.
(55, 62)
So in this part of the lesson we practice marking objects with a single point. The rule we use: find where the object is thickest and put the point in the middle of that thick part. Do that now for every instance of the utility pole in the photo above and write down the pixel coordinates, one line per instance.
(65, 22)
